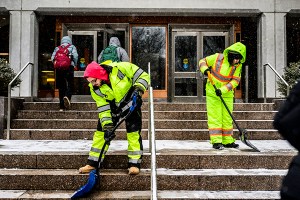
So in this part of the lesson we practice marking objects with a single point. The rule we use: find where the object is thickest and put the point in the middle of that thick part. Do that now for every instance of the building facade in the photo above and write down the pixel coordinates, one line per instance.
(170, 35)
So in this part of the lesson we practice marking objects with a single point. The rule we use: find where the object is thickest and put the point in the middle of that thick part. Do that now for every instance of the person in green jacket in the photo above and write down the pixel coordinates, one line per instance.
(225, 69)
(112, 86)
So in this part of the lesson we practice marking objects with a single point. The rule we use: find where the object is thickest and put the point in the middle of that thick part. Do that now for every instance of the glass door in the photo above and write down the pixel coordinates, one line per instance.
(149, 45)
(185, 80)
(86, 44)
(188, 84)
(212, 42)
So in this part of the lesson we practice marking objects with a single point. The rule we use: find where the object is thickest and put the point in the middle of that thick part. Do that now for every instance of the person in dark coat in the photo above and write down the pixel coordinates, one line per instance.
(287, 122)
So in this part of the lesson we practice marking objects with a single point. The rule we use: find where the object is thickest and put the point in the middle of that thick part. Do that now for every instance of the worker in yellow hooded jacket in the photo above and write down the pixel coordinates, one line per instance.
(225, 69)
(112, 86)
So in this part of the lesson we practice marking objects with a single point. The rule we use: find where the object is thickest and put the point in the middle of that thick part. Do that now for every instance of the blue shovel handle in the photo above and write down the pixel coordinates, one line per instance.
(132, 107)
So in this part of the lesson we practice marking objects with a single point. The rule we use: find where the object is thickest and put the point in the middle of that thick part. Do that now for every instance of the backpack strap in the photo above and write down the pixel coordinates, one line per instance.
(64, 47)
(70, 53)
(67, 46)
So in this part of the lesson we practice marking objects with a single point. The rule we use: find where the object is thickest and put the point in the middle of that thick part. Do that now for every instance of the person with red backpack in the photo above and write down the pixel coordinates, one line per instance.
(64, 59)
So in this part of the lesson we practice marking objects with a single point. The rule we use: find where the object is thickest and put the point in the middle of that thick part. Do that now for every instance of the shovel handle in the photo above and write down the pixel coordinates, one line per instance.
(211, 80)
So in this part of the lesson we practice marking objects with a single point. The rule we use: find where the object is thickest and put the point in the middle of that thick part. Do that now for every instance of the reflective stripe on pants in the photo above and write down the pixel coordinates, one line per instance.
(219, 121)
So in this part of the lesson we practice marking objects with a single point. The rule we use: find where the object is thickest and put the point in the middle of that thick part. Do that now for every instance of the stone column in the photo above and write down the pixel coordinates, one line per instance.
(271, 36)
(15, 44)
(23, 48)
(280, 46)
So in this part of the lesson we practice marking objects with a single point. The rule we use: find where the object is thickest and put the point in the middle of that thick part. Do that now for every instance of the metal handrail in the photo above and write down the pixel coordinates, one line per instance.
(151, 137)
(246, 84)
(265, 82)
(9, 96)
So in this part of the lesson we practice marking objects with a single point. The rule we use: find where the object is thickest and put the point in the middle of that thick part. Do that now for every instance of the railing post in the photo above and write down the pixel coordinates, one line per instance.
(153, 150)
(151, 138)
(149, 114)
(8, 112)
(265, 83)
(246, 83)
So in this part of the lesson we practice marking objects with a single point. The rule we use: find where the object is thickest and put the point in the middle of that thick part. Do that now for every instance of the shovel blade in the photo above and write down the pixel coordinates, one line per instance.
(244, 139)
(87, 188)
(249, 144)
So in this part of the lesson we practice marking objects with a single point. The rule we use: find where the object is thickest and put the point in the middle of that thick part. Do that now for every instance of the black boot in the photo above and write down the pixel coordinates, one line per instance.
(218, 146)
(231, 145)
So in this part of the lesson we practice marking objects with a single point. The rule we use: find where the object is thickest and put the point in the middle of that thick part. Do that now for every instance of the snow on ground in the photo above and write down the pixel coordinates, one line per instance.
(265, 146)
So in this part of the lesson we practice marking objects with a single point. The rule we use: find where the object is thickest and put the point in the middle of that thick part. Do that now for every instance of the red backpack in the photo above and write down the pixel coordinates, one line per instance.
(62, 59)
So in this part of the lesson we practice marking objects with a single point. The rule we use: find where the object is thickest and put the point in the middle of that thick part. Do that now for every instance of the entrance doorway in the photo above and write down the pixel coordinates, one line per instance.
(188, 47)
(90, 41)
(86, 44)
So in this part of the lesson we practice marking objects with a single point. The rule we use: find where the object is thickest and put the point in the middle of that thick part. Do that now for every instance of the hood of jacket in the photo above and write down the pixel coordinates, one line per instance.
(114, 41)
(94, 70)
(236, 47)
(66, 39)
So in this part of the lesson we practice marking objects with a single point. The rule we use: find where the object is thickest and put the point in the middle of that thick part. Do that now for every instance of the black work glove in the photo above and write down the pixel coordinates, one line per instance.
(207, 70)
(109, 134)
(138, 92)
(218, 92)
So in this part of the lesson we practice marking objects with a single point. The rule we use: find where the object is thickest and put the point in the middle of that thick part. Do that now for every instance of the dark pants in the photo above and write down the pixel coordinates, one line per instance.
(65, 84)
(290, 189)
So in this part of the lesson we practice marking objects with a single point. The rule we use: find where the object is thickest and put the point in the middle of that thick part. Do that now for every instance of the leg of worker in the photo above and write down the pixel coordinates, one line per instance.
(97, 145)
(135, 145)
(214, 119)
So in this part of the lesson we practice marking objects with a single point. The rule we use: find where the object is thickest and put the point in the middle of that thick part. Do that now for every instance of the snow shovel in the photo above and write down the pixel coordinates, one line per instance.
(243, 132)
(94, 176)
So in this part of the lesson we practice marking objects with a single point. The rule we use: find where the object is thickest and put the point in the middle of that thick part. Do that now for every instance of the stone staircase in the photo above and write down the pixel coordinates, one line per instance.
(47, 147)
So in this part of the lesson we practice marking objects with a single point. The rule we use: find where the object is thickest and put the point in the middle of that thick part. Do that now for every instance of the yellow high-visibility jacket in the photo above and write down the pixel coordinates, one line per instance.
(122, 77)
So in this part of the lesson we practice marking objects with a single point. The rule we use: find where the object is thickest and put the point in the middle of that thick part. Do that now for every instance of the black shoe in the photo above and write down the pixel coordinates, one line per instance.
(231, 145)
(218, 146)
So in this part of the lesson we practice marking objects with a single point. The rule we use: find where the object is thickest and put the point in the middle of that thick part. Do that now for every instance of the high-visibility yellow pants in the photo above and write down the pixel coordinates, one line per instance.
(135, 146)
(219, 121)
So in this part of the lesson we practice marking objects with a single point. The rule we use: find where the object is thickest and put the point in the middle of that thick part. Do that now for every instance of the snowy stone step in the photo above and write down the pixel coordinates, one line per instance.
(159, 124)
(162, 106)
(160, 134)
(161, 194)
(75, 114)
(185, 154)
(167, 179)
